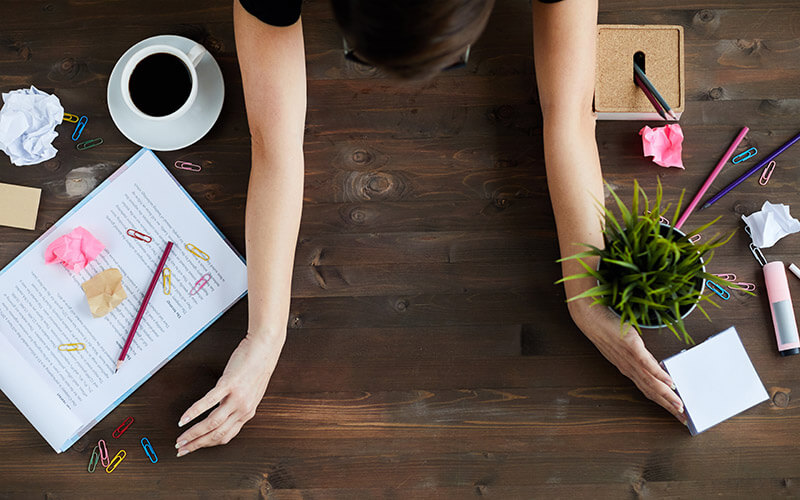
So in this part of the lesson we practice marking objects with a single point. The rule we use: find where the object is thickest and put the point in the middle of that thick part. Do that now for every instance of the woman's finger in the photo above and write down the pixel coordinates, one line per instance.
(215, 420)
(220, 435)
(211, 398)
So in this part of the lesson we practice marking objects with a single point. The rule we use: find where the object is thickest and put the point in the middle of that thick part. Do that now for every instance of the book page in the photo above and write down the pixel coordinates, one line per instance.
(715, 380)
(43, 306)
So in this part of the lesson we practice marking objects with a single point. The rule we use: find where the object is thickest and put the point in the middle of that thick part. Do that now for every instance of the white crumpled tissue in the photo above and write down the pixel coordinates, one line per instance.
(27, 125)
(770, 224)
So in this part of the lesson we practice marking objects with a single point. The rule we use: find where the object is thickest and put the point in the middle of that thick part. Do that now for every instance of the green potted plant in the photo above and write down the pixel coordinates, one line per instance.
(649, 273)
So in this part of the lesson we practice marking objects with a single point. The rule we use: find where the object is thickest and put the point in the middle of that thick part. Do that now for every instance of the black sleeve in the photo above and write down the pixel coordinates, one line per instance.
(549, 1)
(274, 12)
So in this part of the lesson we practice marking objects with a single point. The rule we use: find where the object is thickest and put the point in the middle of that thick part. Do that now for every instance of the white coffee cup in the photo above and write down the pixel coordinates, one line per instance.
(190, 60)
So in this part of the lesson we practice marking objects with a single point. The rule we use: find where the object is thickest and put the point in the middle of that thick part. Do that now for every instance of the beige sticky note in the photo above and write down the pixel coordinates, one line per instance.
(19, 206)
(104, 292)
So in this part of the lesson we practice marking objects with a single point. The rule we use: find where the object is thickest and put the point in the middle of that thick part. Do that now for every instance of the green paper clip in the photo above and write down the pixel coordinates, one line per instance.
(91, 143)
(95, 458)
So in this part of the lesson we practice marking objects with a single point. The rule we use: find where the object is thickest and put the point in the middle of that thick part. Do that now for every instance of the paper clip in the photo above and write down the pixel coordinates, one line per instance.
(139, 236)
(185, 165)
(119, 431)
(166, 280)
(118, 458)
(200, 284)
(718, 290)
(767, 173)
(758, 254)
(69, 117)
(148, 449)
(747, 287)
(727, 276)
(94, 460)
(79, 128)
(72, 347)
(694, 239)
(197, 252)
(103, 453)
(91, 143)
(745, 156)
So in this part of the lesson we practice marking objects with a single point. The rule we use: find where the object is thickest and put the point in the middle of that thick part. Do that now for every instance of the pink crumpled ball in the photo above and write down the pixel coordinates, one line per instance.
(663, 144)
(74, 250)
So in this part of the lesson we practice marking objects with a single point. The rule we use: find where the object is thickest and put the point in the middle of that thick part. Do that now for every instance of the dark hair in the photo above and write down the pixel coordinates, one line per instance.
(411, 38)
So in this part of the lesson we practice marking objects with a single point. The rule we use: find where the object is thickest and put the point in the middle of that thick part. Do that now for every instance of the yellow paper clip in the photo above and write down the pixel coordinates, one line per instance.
(72, 347)
(94, 460)
(114, 461)
(166, 279)
(91, 143)
(69, 117)
(200, 284)
(767, 173)
(197, 252)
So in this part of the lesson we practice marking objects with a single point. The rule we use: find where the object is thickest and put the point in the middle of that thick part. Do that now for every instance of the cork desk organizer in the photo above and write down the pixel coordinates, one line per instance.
(658, 50)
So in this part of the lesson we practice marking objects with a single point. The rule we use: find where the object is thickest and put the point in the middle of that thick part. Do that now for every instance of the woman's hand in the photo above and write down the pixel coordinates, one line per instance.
(238, 392)
(628, 354)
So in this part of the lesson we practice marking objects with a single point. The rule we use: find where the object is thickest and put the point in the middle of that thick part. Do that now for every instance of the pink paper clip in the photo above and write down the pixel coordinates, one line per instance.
(695, 238)
(747, 287)
(103, 453)
(663, 220)
(200, 284)
(139, 236)
(767, 173)
(727, 276)
(119, 431)
(185, 165)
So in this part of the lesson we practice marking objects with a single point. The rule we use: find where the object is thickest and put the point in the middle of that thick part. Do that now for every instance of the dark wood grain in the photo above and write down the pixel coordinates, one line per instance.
(429, 353)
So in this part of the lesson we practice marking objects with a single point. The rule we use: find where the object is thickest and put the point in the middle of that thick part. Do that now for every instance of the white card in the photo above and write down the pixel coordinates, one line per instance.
(715, 380)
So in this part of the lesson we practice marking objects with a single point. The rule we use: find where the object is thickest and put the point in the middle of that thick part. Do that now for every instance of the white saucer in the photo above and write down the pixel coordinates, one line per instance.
(183, 131)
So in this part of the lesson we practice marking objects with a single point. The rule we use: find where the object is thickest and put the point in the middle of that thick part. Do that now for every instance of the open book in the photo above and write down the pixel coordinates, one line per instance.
(65, 393)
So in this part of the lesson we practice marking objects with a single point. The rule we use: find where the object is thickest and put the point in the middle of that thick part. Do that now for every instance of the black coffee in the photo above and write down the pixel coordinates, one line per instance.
(160, 84)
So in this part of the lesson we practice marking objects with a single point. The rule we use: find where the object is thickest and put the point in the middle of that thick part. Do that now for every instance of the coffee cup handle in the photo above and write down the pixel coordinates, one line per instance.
(196, 54)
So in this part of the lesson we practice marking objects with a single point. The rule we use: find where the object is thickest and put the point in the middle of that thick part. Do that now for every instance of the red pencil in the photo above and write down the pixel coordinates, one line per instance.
(145, 301)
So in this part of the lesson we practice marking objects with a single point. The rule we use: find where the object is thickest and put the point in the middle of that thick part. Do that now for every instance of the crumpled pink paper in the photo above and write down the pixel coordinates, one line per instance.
(74, 250)
(663, 144)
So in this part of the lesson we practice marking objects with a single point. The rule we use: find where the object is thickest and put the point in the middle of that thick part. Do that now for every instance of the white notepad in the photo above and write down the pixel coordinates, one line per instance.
(715, 380)
(64, 394)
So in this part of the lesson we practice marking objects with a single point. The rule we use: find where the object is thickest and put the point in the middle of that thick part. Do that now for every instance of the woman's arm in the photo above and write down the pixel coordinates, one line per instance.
(565, 37)
(272, 62)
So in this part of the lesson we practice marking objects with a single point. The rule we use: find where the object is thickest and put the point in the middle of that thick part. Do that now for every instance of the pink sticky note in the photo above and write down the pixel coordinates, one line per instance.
(74, 250)
(663, 144)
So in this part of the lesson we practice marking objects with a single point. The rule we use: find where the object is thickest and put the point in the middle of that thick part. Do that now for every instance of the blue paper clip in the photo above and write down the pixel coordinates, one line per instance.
(91, 143)
(148, 449)
(79, 128)
(718, 290)
(745, 156)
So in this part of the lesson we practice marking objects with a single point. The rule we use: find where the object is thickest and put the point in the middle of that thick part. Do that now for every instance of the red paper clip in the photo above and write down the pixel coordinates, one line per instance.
(185, 165)
(103, 453)
(119, 431)
(139, 236)
(200, 284)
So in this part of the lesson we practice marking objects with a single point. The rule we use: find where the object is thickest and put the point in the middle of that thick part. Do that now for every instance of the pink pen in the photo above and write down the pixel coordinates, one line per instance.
(780, 304)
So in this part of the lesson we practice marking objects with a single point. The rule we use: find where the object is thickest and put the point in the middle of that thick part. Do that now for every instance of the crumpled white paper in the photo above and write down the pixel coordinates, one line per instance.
(27, 125)
(770, 224)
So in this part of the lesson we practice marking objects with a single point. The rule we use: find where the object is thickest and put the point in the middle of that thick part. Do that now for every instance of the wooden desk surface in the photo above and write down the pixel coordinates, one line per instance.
(429, 353)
